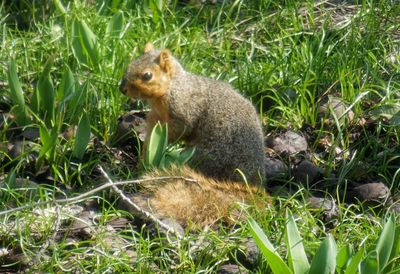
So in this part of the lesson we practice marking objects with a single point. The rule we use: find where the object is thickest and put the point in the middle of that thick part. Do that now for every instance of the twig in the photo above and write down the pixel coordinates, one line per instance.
(138, 208)
(93, 191)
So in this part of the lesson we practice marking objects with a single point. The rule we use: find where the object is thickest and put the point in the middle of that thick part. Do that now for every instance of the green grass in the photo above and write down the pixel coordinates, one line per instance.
(283, 55)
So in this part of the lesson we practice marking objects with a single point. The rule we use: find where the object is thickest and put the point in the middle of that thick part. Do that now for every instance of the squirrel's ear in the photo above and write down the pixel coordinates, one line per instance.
(166, 63)
(148, 47)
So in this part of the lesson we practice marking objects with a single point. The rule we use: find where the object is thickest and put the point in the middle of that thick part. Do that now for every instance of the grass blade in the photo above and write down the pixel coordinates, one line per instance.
(297, 256)
(324, 260)
(17, 95)
(82, 136)
(276, 263)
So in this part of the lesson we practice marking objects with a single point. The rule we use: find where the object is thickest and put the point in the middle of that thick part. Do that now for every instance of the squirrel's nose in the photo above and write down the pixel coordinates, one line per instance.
(122, 85)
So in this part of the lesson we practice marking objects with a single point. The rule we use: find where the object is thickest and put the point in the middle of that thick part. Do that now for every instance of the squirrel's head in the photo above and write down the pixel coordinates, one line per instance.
(150, 75)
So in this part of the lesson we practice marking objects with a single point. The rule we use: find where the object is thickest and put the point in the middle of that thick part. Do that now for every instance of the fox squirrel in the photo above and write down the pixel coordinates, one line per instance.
(210, 115)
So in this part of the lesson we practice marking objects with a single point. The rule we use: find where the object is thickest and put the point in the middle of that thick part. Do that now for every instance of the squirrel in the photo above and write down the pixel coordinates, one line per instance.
(222, 125)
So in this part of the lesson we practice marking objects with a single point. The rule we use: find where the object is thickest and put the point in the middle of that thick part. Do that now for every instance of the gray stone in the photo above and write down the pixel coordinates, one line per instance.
(336, 105)
(131, 121)
(24, 187)
(249, 254)
(287, 143)
(31, 133)
(19, 147)
(328, 206)
(231, 269)
(275, 167)
(307, 172)
(372, 192)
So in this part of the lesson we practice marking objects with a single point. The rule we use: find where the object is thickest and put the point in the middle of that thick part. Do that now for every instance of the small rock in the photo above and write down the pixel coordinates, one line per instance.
(336, 105)
(395, 208)
(83, 224)
(24, 188)
(231, 269)
(19, 147)
(328, 206)
(69, 133)
(250, 253)
(287, 143)
(372, 192)
(394, 57)
(275, 167)
(132, 256)
(307, 172)
(132, 120)
(31, 133)
(112, 241)
(173, 224)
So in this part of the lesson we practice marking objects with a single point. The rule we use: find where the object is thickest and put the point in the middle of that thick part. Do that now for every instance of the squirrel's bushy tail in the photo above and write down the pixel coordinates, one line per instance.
(200, 201)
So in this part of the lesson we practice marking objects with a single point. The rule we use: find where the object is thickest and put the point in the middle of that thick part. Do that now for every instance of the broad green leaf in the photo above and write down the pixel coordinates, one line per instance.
(46, 94)
(297, 256)
(44, 135)
(276, 263)
(49, 140)
(324, 260)
(17, 95)
(178, 156)
(343, 257)
(395, 250)
(66, 89)
(385, 243)
(370, 264)
(116, 25)
(186, 155)
(76, 101)
(89, 42)
(354, 263)
(154, 8)
(77, 48)
(84, 44)
(156, 146)
(82, 136)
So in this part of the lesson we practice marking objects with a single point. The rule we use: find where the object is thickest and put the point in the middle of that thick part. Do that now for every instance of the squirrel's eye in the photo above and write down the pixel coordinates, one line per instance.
(147, 76)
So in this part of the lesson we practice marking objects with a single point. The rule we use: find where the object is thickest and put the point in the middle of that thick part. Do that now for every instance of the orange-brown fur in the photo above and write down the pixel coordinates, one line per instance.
(201, 203)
